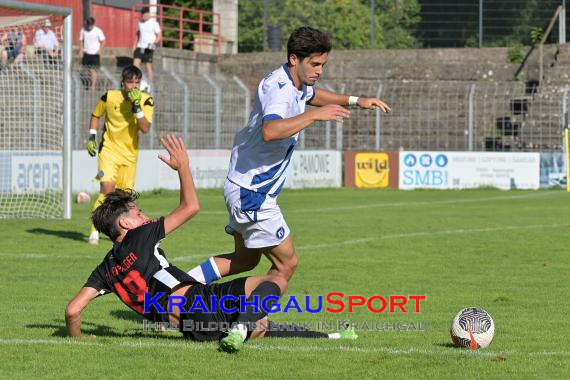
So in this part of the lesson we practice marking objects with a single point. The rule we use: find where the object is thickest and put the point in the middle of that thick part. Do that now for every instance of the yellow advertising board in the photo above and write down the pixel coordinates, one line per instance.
(371, 170)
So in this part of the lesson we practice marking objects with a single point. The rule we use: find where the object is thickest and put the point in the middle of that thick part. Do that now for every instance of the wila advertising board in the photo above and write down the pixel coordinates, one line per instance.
(459, 170)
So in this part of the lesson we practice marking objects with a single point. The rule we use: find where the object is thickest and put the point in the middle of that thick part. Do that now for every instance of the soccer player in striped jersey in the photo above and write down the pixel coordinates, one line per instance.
(262, 152)
(127, 111)
(137, 265)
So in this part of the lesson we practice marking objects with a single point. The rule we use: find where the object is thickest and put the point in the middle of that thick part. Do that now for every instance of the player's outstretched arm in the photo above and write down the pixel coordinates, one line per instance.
(284, 128)
(323, 97)
(75, 307)
(179, 161)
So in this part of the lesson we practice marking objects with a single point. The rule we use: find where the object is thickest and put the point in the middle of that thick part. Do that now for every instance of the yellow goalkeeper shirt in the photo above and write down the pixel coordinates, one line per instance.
(121, 137)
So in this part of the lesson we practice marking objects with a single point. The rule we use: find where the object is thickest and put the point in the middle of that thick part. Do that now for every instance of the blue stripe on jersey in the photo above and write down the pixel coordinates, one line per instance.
(271, 116)
(286, 69)
(259, 178)
(250, 200)
(312, 97)
(276, 192)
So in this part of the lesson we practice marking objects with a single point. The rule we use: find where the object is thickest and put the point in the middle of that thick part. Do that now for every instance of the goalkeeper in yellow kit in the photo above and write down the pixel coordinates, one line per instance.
(126, 112)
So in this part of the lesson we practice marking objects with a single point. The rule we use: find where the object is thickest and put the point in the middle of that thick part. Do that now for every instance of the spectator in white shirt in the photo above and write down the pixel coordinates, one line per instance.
(46, 43)
(148, 37)
(92, 41)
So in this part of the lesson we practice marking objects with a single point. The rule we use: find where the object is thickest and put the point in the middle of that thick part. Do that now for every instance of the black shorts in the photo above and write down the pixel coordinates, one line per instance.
(145, 55)
(91, 60)
(195, 325)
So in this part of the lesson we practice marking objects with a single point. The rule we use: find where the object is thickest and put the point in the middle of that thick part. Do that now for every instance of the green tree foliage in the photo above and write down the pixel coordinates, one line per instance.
(347, 21)
(455, 23)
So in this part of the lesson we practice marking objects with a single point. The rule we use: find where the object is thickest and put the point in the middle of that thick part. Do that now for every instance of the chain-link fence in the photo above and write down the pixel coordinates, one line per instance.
(453, 116)
(427, 115)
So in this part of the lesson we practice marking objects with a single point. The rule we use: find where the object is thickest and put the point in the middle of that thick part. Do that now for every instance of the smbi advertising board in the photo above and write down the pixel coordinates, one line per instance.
(459, 170)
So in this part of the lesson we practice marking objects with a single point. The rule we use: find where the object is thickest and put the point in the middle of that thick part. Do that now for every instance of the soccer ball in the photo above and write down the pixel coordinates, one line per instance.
(472, 327)
(83, 197)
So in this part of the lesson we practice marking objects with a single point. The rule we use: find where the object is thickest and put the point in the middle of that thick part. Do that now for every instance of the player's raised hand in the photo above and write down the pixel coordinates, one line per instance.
(331, 112)
(175, 147)
(369, 103)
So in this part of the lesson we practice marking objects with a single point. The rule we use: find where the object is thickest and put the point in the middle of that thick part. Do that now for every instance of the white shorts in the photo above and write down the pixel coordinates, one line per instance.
(261, 228)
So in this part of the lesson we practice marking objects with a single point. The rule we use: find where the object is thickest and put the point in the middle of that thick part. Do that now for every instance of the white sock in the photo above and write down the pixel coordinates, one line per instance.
(334, 336)
(206, 273)
(242, 329)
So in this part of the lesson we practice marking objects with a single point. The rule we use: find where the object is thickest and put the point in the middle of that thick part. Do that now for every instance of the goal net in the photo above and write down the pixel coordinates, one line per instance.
(33, 176)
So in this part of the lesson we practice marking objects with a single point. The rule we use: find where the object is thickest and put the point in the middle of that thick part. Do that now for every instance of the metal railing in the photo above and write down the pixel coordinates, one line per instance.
(185, 28)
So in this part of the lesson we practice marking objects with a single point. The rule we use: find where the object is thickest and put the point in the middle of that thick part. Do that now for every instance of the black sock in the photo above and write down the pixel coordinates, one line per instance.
(265, 289)
(276, 330)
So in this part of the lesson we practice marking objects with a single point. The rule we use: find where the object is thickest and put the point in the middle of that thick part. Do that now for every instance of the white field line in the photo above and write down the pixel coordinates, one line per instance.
(30, 255)
(431, 233)
(409, 204)
(396, 236)
(180, 259)
(273, 347)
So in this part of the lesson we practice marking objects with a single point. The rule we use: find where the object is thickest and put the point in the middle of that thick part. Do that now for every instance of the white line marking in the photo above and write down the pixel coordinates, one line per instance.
(186, 258)
(408, 204)
(393, 236)
(272, 347)
(430, 233)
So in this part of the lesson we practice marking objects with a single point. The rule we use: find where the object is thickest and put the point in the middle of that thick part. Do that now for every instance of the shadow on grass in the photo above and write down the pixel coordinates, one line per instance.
(60, 330)
(72, 235)
(127, 315)
(446, 345)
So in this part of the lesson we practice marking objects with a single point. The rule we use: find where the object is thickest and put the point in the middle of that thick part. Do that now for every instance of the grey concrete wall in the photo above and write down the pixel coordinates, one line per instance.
(489, 64)
(181, 61)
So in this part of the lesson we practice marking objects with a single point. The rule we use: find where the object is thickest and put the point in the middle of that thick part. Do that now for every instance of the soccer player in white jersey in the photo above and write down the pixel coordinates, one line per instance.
(262, 151)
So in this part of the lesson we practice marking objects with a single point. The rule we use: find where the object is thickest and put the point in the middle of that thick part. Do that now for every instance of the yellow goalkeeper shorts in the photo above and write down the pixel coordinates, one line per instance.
(118, 170)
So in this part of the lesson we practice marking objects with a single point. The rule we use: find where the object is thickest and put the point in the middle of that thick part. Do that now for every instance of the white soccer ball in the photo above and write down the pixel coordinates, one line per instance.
(473, 328)
(83, 197)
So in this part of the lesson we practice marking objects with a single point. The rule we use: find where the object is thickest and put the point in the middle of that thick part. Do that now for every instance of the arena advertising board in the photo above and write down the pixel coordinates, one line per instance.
(458, 170)
(210, 168)
(31, 171)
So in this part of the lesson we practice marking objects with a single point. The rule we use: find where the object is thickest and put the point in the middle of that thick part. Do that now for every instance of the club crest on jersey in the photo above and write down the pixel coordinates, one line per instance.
(280, 233)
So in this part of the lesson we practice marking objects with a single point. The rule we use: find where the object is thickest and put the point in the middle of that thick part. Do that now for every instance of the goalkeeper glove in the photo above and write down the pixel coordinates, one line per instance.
(134, 96)
(92, 143)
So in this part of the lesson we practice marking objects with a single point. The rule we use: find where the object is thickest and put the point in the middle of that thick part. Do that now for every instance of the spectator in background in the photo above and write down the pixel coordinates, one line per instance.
(92, 41)
(148, 37)
(46, 44)
(14, 43)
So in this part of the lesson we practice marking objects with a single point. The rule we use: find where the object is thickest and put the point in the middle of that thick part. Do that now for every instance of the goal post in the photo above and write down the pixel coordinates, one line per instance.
(35, 110)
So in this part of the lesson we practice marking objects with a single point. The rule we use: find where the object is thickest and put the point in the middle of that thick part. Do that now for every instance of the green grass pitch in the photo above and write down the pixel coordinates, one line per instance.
(506, 252)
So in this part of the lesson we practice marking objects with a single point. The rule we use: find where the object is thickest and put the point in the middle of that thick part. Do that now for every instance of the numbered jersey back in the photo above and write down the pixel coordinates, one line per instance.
(136, 266)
